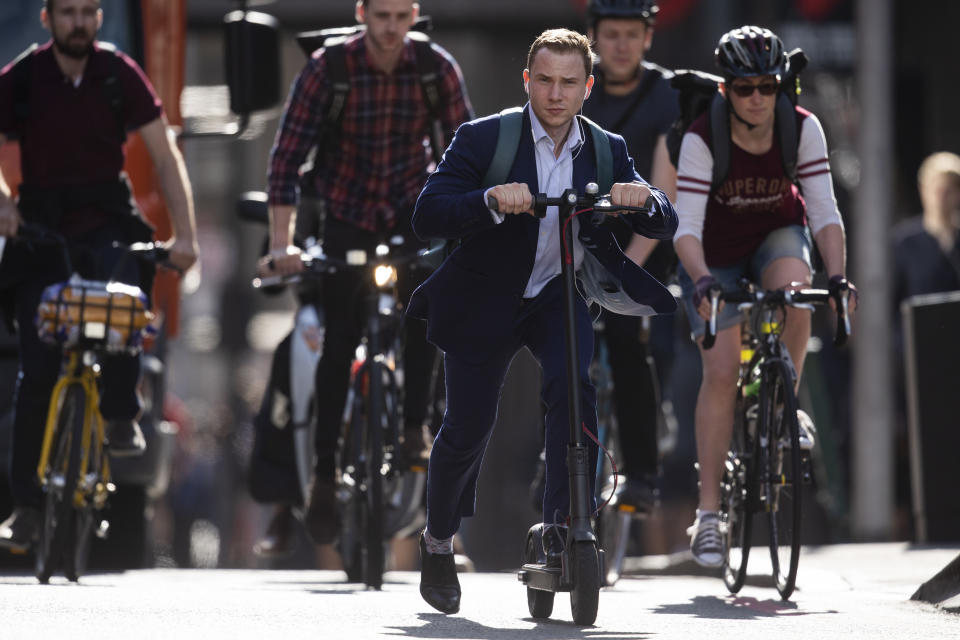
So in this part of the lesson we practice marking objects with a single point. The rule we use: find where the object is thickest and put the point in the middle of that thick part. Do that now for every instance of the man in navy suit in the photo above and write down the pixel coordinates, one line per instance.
(499, 290)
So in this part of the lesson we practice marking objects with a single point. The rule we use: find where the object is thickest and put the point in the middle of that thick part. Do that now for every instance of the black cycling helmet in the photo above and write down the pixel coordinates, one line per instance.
(751, 51)
(642, 9)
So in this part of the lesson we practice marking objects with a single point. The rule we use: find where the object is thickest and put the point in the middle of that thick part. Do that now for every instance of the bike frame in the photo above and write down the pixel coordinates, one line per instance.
(80, 369)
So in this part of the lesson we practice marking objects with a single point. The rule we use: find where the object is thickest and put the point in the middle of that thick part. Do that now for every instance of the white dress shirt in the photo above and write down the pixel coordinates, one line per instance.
(554, 175)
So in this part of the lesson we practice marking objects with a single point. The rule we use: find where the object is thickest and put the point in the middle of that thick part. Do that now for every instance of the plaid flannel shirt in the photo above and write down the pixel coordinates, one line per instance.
(380, 163)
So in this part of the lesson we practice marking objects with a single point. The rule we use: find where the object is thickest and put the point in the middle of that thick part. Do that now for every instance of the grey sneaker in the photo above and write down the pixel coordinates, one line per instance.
(706, 540)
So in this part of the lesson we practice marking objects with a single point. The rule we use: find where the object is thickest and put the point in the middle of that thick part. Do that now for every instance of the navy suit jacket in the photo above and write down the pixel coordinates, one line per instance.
(471, 301)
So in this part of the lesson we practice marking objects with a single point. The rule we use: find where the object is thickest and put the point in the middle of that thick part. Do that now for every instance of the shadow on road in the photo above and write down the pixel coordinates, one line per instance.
(441, 626)
(735, 608)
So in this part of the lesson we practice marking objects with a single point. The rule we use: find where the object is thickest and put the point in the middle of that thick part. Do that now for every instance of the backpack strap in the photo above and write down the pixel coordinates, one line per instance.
(22, 73)
(336, 58)
(789, 135)
(429, 72)
(508, 140)
(602, 153)
(719, 121)
(113, 90)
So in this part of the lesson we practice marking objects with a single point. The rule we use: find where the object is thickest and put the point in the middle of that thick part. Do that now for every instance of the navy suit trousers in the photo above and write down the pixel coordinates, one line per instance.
(473, 393)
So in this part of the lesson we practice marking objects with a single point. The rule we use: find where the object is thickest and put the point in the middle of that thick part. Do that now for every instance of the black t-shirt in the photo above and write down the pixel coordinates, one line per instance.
(650, 119)
(652, 116)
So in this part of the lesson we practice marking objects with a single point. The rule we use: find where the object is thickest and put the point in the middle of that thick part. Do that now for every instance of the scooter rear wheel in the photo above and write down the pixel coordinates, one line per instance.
(585, 595)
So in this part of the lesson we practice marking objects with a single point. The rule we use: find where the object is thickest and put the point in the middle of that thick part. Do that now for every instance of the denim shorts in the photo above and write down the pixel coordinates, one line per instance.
(787, 242)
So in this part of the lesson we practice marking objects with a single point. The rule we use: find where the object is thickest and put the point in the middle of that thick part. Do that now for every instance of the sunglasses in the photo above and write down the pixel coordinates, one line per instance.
(746, 90)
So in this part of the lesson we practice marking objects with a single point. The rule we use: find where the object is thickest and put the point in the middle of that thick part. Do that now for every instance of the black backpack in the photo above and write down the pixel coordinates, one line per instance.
(331, 40)
(698, 92)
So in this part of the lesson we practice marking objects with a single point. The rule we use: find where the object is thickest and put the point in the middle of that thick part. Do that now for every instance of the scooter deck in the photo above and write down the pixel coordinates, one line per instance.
(539, 576)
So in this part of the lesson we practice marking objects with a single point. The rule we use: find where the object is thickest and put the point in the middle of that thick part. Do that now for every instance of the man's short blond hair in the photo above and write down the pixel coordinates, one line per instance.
(939, 163)
(563, 41)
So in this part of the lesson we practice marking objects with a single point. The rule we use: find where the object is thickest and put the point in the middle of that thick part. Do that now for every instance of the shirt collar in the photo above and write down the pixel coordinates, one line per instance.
(574, 138)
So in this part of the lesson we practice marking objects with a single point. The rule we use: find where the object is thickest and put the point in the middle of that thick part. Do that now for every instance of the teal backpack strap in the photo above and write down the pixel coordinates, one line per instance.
(604, 156)
(508, 140)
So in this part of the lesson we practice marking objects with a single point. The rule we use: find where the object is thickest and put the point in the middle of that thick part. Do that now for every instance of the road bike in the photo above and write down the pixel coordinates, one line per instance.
(379, 495)
(766, 469)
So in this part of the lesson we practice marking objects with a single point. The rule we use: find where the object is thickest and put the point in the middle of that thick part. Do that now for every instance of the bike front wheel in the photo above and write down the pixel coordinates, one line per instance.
(738, 488)
(61, 483)
(782, 482)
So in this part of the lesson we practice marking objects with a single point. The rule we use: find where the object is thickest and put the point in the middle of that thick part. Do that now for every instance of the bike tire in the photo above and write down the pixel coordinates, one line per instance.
(613, 529)
(585, 594)
(738, 489)
(351, 495)
(539, 602)
(77, 554)
(57, 512)
(783, 478)
(373, 449)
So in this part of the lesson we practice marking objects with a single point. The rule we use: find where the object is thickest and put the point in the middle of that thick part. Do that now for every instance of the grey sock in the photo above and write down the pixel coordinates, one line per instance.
(437, 546)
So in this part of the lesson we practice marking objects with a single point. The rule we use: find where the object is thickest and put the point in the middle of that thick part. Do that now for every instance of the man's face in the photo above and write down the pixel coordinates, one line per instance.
(387, 22)
(941, 193)
(557, 84)
(621, 44)
(757, 106)
(73, 24)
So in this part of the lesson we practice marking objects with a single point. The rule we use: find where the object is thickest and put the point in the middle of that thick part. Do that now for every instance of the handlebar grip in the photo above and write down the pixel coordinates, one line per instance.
(843, 319)
(710, 334)
(495, 206)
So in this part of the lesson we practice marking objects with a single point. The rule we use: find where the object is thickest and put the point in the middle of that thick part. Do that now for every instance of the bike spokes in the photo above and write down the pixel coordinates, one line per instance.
(783, 480)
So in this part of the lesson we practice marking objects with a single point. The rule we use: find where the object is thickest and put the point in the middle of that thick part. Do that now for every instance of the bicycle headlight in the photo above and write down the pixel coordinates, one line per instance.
(385, 275)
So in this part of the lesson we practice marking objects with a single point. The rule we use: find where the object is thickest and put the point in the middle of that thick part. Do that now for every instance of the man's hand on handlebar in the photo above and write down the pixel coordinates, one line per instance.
(183, 253)
(10, 219)
(280, 262)
(514, 197)
(629, 194)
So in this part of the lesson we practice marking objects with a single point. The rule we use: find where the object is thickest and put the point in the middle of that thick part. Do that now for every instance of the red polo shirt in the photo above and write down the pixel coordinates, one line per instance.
(70, 135)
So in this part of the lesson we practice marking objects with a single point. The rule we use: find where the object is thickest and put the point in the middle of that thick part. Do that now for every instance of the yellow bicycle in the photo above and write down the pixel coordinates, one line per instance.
(88, 319)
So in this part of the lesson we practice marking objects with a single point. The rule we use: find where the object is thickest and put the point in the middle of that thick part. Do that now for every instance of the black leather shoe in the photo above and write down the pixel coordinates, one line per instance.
(438, 580)
(322, 518)
(554, 540)
(125, 438)
(19, 531)
(278, 541)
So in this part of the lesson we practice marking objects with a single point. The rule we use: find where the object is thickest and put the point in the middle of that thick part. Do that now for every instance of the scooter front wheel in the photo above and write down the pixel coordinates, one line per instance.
(585, 594)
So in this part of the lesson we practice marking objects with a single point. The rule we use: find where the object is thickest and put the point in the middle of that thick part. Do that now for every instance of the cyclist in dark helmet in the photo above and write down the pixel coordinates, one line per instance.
(633, 97)
(755, 225)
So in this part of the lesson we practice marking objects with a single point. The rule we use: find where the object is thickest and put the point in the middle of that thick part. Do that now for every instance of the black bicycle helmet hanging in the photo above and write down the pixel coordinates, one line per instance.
(644, 9)
(751, 51)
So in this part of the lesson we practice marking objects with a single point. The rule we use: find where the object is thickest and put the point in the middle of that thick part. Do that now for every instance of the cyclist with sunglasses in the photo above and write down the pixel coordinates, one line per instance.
(754, 224)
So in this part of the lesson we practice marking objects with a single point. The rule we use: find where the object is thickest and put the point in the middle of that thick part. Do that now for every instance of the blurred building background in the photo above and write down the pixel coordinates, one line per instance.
(220, 363)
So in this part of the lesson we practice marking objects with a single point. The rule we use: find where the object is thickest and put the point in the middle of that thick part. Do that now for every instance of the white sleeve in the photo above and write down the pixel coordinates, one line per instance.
(694, 174)
(813, 173)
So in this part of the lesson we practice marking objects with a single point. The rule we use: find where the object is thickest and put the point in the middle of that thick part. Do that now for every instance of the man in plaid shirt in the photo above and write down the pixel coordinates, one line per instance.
(367, 182)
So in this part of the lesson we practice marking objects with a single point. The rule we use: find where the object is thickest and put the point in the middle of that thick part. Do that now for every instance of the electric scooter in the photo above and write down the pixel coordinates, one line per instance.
(582, 559)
